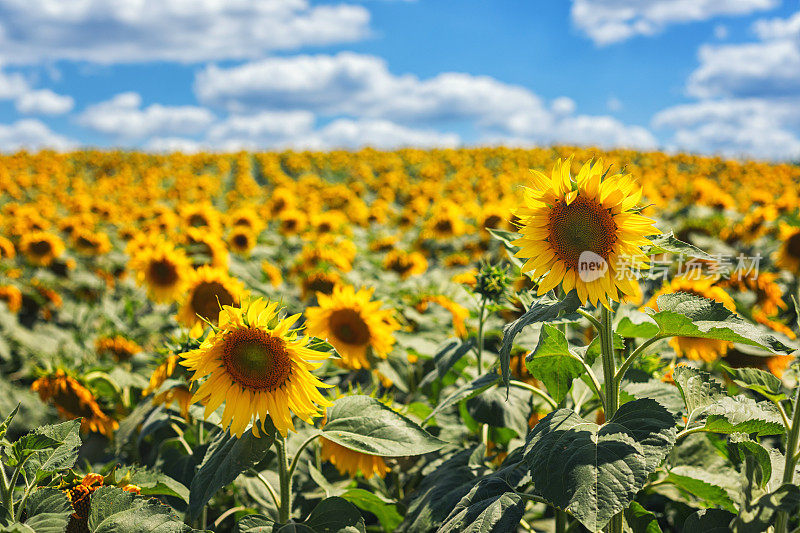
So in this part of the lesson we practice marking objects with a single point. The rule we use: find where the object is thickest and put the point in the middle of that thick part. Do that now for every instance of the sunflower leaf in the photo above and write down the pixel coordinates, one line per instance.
(687, 315)
(113, 509)
(507, 238)
(553, 363)
(544, 309)
(465, 392)
(666, 243)
(764, 383)
(363, 424)
(701, 485)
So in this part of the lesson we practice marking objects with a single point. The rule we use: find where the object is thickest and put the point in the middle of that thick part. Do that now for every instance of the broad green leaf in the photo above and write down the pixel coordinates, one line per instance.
(634, 323)
(48, 510)
(364, 424)
(465, 392)
(709, 521)
(698, 389)
(742, 446)
(687, 315)
(543, 309)
(702, 485)
(607, 465)
(667, 243)
(159, 484)
(333, 515)
(385, 512)
(52, 460)
(493, 514)
(663, 393)
(493, 407)
(761, 514)
(640, 520)
(760, 381)
(445, 358)
(29, 444)
(553, 363)
(743, 415)
(225, 459)
(114, 510)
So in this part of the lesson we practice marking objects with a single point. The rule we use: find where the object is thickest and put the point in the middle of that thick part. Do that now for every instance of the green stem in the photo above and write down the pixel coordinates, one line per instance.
(632, 357)
(537, 391)
(561, 521)
(595, 384)
(782, 521)
(299, 452)
(268, 486)
(590, 317)
(200, 441)
(612, 389)
(480, 337)
(285, 509)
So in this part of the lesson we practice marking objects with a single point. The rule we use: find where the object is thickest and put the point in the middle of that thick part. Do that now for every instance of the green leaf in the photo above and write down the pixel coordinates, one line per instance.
(225, 459)
(488, 514)
(48, 510)
(445, 358)
(687, 315)
(741, 446)
(606, 465)
(114, 510)
(29, 444)
(633, 323)
(760, 381)
(760, 515)
(543, 309)
(698, 389)
(465, 392)
(365, 425)
(702, 485)
(159, 484)
(493, 407)
(743, 415)
(709, 521)
(335, 514)
(667, 243)
(507, 237)
(49, 461)
(385, 512)
(640, 520)
(553, 363)
(7, 422)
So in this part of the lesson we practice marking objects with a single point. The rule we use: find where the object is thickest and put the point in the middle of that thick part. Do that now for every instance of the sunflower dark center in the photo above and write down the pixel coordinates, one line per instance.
(492, 221)
(86, 243)
(401, 265)
(582, 226)
(321, 284)
(69, 401)
(240, 240)
(256, 360)
(197, 220)
(207, 298)
(41, 248)
(163, 273)
(348, 326)
(445, 225)
(793, 245)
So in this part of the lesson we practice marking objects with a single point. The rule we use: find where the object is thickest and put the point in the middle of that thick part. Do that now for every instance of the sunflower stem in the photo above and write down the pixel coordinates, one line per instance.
(782, 523)
(612, 388)
(285, 510)
(480, 337)
(299, 452)
(200, 442)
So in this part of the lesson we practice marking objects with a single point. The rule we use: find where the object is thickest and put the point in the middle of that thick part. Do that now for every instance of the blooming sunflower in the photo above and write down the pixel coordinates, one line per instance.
(570, 225)
(41, 248)
(89, 242)
(120, 348)
(7, 250)
(12, 296)
(207, 290)
(206, 248)
(163, 269)
(258, 366)
(692, 347)
(788, 257)
(241, 240)
(353, 323)
(405, 264)
(73, 400)
(320, 281)
(352, 463)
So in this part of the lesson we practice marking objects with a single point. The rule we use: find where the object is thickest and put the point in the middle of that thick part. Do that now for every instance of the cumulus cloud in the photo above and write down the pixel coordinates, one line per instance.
(32, 134)
(44, 102)
(610, 21)
(357, 86)
(123, 116)
(172, 30)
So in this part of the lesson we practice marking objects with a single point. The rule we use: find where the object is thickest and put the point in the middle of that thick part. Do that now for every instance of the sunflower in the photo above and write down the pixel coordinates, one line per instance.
(245, 217)
(162, 268)
(207, 290)
(73, 400)
(201, 216)
(7, 250)
(319, 281)
(384, 244)
(292, 221)
(179, 393)
(120, 348)
(241, 240)
(206, 248)
(272, 273)
(568, 224)
(79, 495)
(353, 324)
(458, 312)
(405, 264)
(692, 347)
(89, 242)
(12, 296)
(41, 248)
(259, 367)
(352, 463)
(788, 257)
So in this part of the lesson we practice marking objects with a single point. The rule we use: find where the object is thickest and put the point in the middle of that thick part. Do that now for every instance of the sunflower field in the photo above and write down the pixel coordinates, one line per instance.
(483, 340)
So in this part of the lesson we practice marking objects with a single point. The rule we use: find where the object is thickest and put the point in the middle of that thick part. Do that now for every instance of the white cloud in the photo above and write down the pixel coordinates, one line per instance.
(173, 144)
(105, 31)
(347, 133)
(12, 85)
(721, 32)
(610, 21)
(31, 134)
(122, 116)
(44, 102)
(264, 126)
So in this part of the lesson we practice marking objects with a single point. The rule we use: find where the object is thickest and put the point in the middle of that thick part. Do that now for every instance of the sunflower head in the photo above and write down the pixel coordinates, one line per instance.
(788, 256)
(162, 269)
(354, 324)
(208, 289)
(584, 232)
(41, 248)
(260, 367)
(73, 400)
(241, 240)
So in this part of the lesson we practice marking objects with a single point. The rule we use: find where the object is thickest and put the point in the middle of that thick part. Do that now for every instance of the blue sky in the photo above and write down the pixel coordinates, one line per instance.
(709, 76)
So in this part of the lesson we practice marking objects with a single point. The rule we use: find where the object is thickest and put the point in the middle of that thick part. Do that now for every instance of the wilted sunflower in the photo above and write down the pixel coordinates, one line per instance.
(352, 463)
(161, 268)
(692, 347)
(73, 400)
(353, 324)
(788, 256)
(79, 495)
(12, 296)
(41, 248)
(207, 290)
(566, 223)
(259, 367)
